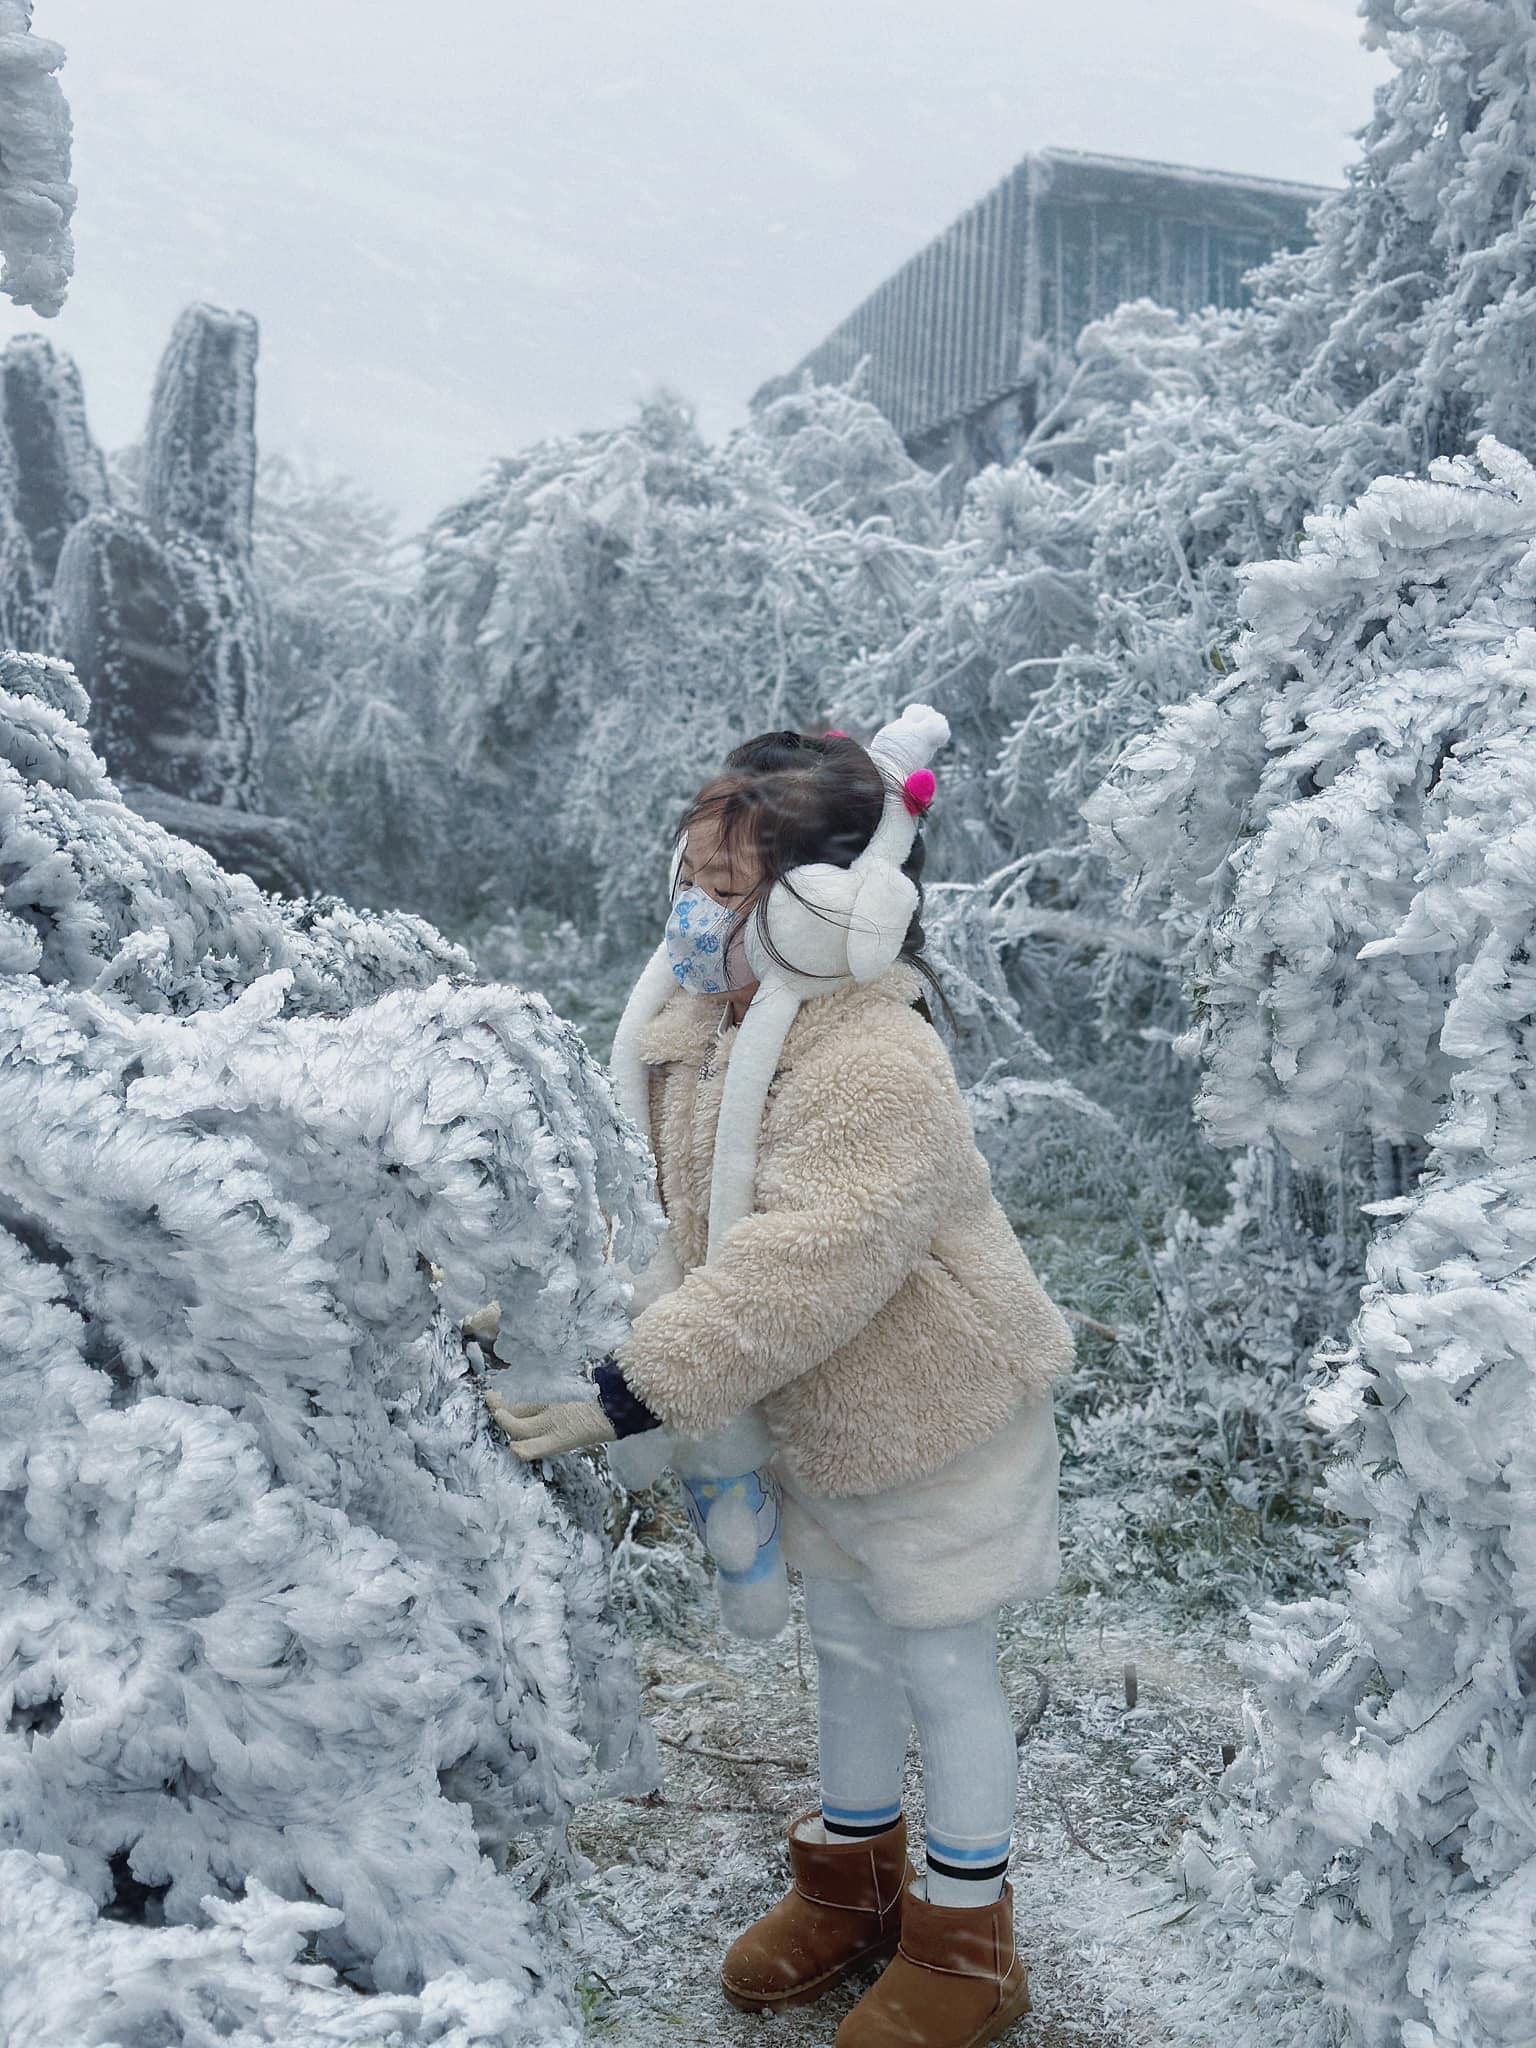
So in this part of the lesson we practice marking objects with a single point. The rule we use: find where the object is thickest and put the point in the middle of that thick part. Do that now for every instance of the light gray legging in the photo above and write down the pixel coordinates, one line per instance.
(874, 1680)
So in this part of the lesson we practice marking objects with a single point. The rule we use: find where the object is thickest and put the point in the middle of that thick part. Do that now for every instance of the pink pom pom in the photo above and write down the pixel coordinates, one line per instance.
(917, 791)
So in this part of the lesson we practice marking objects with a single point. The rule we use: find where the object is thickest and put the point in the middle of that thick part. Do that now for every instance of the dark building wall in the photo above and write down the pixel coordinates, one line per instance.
(956, 337)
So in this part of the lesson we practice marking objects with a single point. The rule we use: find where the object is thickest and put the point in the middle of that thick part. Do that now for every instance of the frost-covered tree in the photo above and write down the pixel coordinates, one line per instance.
(352, 740)
(636, 601)
(1408, 325)
(294, 1651)
(1346, 831)
(1197, 445)
(37, 201)
(1393, 337)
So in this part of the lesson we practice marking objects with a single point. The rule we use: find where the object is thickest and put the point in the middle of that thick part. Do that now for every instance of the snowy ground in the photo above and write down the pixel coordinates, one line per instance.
(1104, 1789)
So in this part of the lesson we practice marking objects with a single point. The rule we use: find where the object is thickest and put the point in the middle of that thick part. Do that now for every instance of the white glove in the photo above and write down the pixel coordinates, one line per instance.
(543, 1429)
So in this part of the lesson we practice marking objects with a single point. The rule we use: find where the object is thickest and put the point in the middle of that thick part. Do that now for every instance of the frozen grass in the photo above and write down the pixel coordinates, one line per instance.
(1171, 1481)
(1104, 1789)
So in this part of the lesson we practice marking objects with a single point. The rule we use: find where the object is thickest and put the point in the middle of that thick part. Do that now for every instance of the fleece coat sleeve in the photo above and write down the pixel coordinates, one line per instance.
(859, 1177)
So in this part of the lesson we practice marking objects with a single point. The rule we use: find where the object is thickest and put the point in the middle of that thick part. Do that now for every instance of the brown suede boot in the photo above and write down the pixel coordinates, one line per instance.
(842, 1909)
(954, 1982)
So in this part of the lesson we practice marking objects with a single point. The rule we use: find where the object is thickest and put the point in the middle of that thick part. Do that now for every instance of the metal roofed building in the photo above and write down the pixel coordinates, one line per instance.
(958, 336)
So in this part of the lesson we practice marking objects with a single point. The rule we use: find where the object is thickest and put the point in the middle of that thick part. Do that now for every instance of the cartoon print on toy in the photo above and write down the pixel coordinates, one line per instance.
(737, 1520)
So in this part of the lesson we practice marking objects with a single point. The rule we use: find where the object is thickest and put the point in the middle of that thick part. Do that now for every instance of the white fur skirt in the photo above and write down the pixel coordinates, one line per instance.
(947, 1548)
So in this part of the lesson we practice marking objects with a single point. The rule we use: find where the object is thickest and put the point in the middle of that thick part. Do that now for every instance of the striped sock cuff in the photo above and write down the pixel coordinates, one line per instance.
(982, 1861)
(855, 1822)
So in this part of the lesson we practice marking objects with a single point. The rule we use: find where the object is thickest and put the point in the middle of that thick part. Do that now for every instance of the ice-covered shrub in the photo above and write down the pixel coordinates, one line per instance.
(246, 1980)
(350, 741)
(278, 1611)
(1349, 824)
(657, 1569)
(614, 611)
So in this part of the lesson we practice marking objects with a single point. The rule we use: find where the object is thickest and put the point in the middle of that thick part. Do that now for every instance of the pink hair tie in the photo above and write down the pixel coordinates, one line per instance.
(917, 791)
(834, 732)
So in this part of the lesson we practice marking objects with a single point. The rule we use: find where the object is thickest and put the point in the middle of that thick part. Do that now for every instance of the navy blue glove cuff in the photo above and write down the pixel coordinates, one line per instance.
(624, 1409)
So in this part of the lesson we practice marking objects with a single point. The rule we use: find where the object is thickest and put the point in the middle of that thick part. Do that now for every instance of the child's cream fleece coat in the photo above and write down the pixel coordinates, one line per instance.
(877, 1303)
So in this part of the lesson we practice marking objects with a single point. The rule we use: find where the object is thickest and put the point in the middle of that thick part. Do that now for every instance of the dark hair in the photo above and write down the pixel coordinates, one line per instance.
(799, 798)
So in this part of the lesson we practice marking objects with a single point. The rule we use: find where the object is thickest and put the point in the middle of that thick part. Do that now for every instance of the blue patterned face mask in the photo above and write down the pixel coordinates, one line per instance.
(697, 933)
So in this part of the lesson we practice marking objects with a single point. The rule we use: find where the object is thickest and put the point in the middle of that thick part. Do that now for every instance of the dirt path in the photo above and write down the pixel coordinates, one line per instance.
(1104, 1789)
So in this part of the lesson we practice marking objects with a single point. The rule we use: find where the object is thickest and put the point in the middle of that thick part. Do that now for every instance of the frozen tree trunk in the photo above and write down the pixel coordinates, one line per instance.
(294, 1647)
(200, 450)
(54, 476)
(160, 613)
(162, 632)
(37, 200)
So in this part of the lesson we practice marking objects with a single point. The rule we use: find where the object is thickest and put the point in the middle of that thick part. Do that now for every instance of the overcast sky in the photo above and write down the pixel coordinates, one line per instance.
(464, 224)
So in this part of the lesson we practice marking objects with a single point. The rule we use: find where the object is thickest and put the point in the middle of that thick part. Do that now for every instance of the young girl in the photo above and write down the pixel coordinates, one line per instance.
(878, 1306)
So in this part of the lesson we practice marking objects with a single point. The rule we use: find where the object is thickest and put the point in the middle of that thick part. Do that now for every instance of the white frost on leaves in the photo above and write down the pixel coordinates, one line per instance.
(248, 1967)
(1348, 830)
(282, 1612)
(1286, 811)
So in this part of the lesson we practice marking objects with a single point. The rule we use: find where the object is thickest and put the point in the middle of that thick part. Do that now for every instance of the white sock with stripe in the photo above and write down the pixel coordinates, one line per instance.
(845, 1824)
(966, 1873)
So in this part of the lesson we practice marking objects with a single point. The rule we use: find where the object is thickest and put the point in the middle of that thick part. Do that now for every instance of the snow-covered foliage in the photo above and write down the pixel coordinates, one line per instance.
(1392, 338)
(37, 201)
(1408, 327)
(248, 1979)
(1338, 831)
(351, 739)
(101, 898)
(281, 1617)
(636, 597)
(1347, 830)
(1284, 811)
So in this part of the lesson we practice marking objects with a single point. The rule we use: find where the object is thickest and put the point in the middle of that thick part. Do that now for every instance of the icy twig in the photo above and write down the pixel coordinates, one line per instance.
(1072, 1835)
(725, 1756)
(1037, 1711)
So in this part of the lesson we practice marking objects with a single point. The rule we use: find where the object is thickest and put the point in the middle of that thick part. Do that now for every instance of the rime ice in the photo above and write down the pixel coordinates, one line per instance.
(285, 1623)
